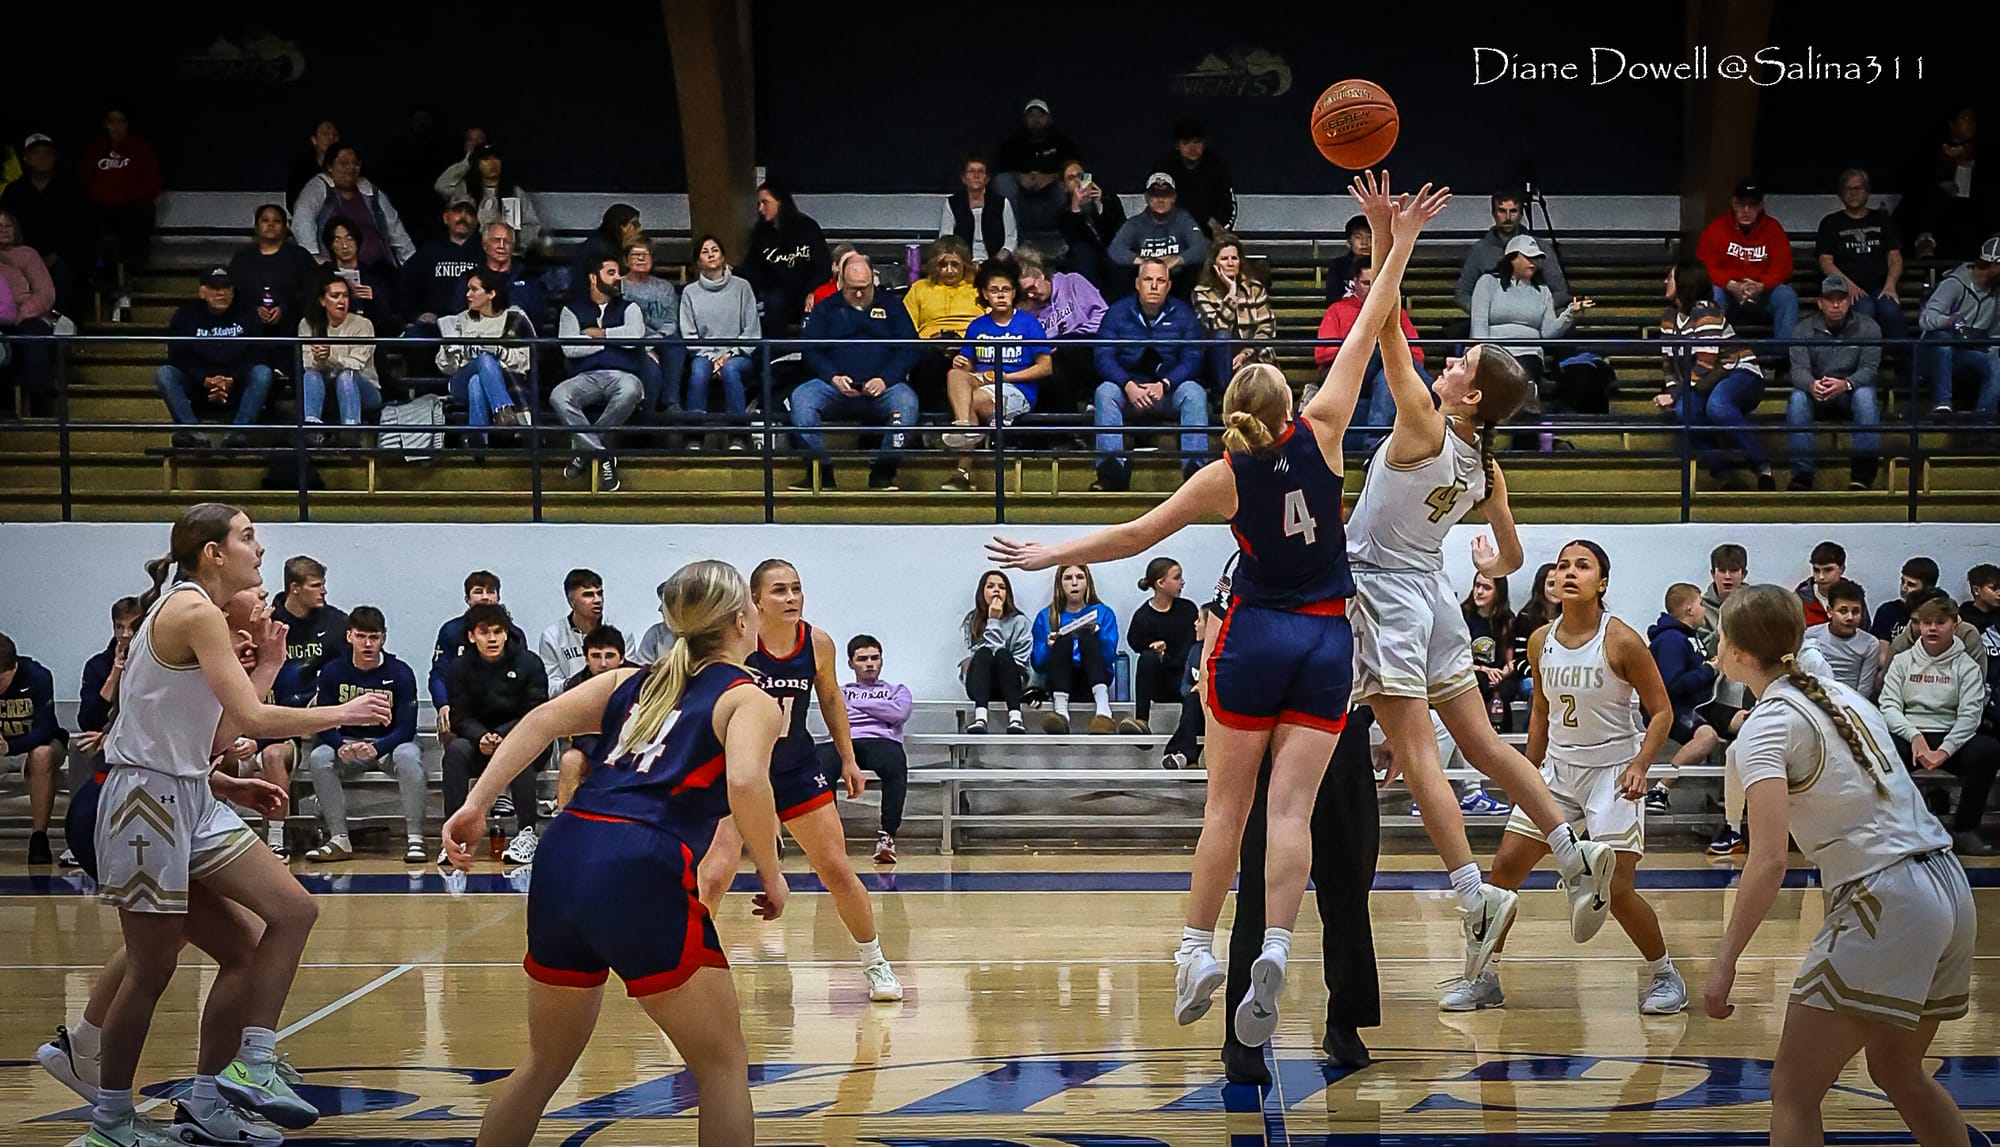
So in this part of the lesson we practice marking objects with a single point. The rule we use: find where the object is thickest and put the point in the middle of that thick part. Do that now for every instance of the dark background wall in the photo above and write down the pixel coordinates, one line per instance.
(885, 96)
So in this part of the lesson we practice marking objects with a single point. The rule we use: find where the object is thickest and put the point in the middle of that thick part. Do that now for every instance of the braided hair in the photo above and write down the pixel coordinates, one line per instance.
(1503, 385)
(1767, 623)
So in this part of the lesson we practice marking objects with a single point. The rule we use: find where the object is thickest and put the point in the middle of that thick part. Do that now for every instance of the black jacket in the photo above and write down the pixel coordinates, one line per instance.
(789, 254)
(492, 696)
(1205, 191)
(292, 275)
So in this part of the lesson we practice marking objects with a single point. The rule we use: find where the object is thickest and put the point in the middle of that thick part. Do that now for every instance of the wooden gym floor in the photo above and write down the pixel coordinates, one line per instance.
(1038, 1012)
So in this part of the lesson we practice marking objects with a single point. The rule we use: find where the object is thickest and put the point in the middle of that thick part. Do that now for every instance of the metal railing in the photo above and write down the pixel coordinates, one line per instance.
(1047, 436)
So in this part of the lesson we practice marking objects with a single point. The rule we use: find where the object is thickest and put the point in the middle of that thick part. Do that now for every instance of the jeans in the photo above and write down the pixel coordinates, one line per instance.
(1377, 406)
(815, 400)
(32, 359)
(482, 385)
(731, 372)
(660, 381)
(353, 392)
(619, 392)
(1781, 301)
(1859, 406)
(1940, 357)
(181, 391)
(1187, 400)
(1728, 404)
(404, 762)
(1888, 314)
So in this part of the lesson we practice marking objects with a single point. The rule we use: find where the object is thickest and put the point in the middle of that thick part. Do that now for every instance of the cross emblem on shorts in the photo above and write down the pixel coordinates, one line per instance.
(139, 844)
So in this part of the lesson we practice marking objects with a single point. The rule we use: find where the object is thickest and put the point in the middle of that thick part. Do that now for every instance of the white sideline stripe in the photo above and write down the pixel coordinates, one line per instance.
(313, 1017)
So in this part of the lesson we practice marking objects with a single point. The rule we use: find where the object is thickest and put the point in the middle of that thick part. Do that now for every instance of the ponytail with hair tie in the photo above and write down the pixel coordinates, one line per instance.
(1486, 463)
(157, 569)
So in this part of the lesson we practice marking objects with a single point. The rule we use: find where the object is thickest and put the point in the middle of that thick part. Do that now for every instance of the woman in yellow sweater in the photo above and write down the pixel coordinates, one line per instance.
(941, 305)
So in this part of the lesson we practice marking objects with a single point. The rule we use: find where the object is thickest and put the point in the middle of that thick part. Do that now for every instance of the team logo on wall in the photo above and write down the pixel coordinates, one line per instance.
(256, 57)
(1239, 71)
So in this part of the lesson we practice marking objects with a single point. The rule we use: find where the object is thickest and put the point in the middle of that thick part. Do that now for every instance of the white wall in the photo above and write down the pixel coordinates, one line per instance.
(907, 585)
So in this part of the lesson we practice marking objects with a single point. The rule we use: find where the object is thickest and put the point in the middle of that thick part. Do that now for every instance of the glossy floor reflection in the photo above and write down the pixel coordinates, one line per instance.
(1038, 1012)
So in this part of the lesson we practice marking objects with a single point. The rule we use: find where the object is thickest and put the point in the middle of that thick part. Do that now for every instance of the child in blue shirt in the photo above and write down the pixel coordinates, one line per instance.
(1005, 357)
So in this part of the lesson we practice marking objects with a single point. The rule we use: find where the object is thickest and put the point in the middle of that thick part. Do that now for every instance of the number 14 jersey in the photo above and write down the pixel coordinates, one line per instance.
(1288, 525)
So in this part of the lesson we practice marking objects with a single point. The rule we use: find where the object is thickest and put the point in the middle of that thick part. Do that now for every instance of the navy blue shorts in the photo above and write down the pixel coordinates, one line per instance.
(804, 785)
(618, 896)
(80, 824)
(1273, 667)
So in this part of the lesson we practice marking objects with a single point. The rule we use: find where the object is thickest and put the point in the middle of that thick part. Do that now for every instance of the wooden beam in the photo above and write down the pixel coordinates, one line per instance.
(1718, 145)
(709, 43)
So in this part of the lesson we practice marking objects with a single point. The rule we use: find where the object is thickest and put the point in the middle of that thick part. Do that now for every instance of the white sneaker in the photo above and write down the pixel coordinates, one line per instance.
(226, 1126)
(1668, 996)
(132, 1131)
(68, 859)
(883, 986)
(1474, 995)
(73, 1071)
(1485, 924)
(1590, 899)
(521, 850)
(1197, 975)
(264, 1090)
(1257, 1015)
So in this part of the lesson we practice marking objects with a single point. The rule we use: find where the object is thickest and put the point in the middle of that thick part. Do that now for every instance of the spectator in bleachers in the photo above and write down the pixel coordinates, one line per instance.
(831, 287)
(877, 710)
(1087, 225)
(1834, 379)
(1377, 407)
(1829, 567)
(120, 173)
(101, 675)
(1717, 387)
(483, 178)
(787, 259)
(1689, 676)
(1490, 249)
(607, 377)
(619, 227)
(277, 278)
(1982, 609)
(1749, 261)
(54, 216)
(1933, 699)
(1076, 646)
(348, 367)
(1513, 301)
(1862, 245)
(372, 285)
(315, 635)
(664, 359)
(1161, 633)
(966, 215)
(1949, 206)
(1964, 305)
(524, 287)
(1728, 569)
(561, 648)
(30, 732)
(1489, 618)
(1919, 581)
(216, 368)
(1854, 653)
(1201, 177)
(488, 693)
(1341, 269)
(860, 380)
(1149, 383)
(659, 636)
(942, 305)
(1029, 167)
(1000, 641)
(310, 160)
(432, 276)
(718, 305)
(344, 754)
(1183, 747)
(997, 372)
(340, 192)
(482, 587)
(1235, 309)
(1069, 307)
(603, 651)
(487, 376)
(31, 299)
(1968, 635)
(1163, 231)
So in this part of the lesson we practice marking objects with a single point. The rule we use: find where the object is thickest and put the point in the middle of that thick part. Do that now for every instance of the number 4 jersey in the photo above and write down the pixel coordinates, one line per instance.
(1405, 512)
(1288, 525)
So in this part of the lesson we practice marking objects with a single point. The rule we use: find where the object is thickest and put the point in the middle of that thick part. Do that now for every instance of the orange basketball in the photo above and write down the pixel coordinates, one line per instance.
(1354, 124)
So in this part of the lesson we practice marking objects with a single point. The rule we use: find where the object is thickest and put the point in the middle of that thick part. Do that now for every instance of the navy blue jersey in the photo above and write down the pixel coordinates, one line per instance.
(675, 783)
(789, 681)
(1288, 525)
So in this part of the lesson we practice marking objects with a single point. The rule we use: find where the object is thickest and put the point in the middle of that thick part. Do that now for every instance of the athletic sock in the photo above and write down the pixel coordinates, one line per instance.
(85, 1038)
(1101, 696)
(1197, 940)
(113, 1107)
(1278, 945)
(205, 1099)
(274, 831)
(871, 953)
(1013, 716)
(1562, 842)
(260, 1046)
(1466, 881)
(1661, 966)
(1059, 703)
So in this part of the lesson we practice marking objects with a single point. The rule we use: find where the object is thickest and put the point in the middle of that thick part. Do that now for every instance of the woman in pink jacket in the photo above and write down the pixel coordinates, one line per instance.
(27, 299)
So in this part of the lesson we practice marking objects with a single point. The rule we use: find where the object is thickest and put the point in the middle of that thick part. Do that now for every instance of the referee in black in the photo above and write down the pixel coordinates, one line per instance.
(1346, 840)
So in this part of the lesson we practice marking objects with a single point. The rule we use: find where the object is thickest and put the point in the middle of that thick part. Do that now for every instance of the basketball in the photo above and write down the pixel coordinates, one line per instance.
(1354, 124)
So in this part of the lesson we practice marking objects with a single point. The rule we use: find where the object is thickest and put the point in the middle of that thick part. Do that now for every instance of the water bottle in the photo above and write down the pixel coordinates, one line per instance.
(496, 842)
(896, 437)
(913, 258)
(269, 301)
(1497, 712)
(1548, 440)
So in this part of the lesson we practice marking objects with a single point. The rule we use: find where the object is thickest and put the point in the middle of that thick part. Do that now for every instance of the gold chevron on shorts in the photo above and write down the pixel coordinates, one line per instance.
(1821, 986)
(1867, 910)
(142, 805)
(209, 861)
(142, 890)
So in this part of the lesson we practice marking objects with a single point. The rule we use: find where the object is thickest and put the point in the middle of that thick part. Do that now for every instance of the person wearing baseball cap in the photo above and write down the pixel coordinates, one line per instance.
(1965, 305)
(433, 275)
(55, 217)
(1201, 178)
(212, 366)
(1027, 169)
(1162, 231)
(1833, 380)
(1749, 258)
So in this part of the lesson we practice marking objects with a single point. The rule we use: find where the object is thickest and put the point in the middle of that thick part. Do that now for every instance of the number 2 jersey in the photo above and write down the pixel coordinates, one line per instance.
(1405, 512)
(675, 781)
(1288, 525)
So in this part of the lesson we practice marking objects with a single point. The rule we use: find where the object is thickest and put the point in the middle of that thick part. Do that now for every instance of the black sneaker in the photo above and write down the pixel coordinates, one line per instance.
(1800, 482)
(1112, 478)
(1767, 481)
(880, 477)
(190, 440)
(1344, 1048)
(607, 474)
(1245, 1065)
(805, 483)
(38, 849)
(236, 440)
(1656, 800)
(577, 468)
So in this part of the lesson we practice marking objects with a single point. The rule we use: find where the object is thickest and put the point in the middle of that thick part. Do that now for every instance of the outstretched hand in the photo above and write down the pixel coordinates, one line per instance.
(1009, 554)
(1413, 212)
(1377, 205)
(1485, 558)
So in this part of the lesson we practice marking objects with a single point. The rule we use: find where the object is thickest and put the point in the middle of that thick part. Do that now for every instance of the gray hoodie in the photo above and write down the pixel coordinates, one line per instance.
(1485, 255)
(720, 308)
(1146, 234)
(1013, 634)
(1978, 306)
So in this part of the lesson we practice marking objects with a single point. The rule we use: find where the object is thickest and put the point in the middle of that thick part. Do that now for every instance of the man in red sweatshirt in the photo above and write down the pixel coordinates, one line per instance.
(1377, 407)
(1749, 257)
(120, 173)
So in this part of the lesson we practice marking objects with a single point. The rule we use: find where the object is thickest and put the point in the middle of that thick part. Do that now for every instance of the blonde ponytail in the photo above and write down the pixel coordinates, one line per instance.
(1244, 432)
(1255, 408)
(700, 601)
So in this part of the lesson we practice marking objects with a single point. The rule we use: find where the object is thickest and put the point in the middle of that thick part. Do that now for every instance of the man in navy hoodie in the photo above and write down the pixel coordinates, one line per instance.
(344, 754)
(862, 381)
(220, 367)
(28, 730)
(431, 278)
(1149, 383)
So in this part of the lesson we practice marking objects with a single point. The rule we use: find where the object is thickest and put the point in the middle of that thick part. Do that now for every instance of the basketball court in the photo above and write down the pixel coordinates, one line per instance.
(1038, 1011)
